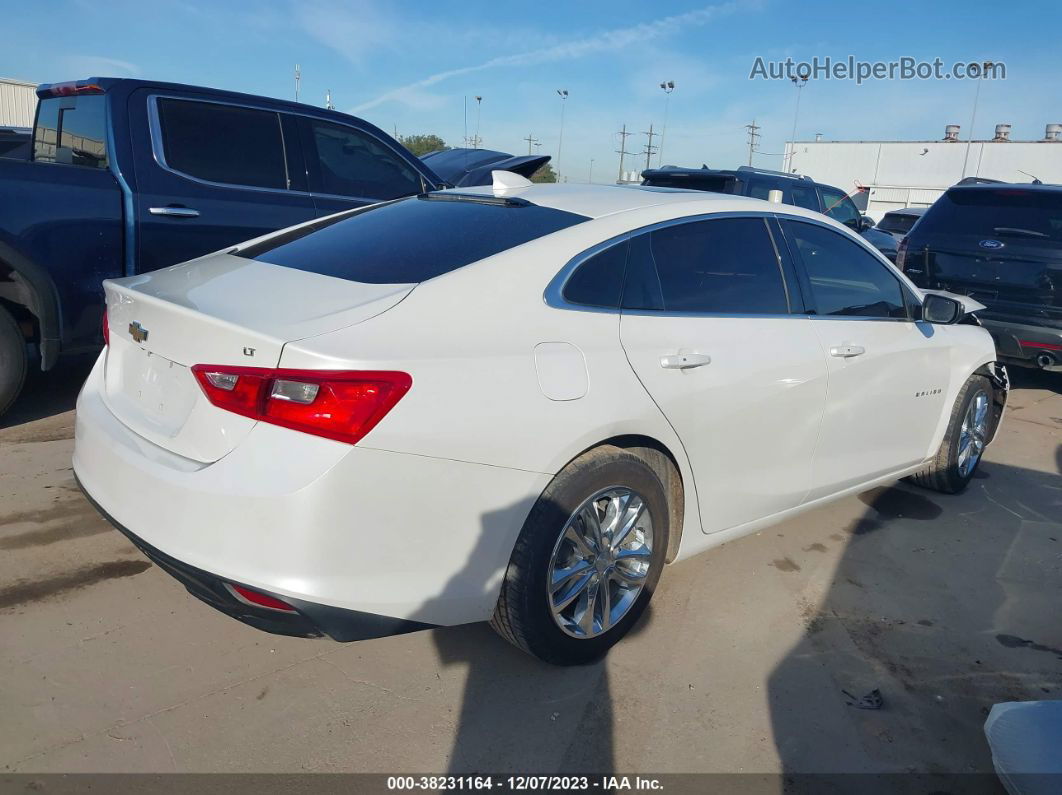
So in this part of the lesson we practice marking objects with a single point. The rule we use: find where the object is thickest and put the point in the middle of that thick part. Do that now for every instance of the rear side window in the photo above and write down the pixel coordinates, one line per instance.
(727, 266)
(805, 196)
(1007, 213)
(900, 223)
(410, 240)
(353, 163)
(598, 281)
(223, 143)
(845, 278)
(72, 131)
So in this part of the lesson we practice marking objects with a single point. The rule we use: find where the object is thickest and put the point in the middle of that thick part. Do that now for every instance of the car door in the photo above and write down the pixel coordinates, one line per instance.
(209, 174)
(349, 167)
(888, 373)
(708, 325)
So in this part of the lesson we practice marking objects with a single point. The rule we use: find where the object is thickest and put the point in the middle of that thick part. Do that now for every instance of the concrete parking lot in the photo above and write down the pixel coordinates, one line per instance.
(945, 604)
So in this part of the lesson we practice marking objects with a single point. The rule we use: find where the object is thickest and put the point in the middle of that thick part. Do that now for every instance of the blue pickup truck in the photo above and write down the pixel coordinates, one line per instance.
(127, 176)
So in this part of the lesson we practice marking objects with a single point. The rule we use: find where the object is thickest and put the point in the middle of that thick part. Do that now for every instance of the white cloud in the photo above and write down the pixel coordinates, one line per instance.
(98, 66)
(604, 41)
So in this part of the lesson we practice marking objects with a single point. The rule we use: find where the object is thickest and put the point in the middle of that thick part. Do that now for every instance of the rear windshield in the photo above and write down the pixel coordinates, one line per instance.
(1011, 213)
(411, 240)
(714, 184)
(897, 222)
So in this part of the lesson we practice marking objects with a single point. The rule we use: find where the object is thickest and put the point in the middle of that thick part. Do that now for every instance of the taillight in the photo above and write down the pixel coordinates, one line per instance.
(338, 405)
(901, 254)
(106, 329)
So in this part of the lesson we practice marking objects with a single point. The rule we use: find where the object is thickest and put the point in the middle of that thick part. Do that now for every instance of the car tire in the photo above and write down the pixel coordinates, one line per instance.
(971, 421)
(13, 361)
(621, 576)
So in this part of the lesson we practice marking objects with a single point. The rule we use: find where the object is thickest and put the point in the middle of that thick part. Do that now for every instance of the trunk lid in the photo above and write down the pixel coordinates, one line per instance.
(220, 309)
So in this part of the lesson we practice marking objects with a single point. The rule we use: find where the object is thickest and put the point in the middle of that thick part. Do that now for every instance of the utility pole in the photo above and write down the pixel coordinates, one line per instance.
(476, 139)
(531, 141)
(753, 135)
(298, 76)
(650, 150)
(590, 179)
(563, 94)
(799, 81)
(973, 115)
(668, 86)
(623, 134)
(328, 100)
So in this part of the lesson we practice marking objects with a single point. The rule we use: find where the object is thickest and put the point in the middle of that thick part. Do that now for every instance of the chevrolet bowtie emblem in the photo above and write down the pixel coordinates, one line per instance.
(138, 332)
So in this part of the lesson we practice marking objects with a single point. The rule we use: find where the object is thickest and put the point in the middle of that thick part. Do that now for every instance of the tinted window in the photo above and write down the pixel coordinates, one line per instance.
(845, 278)
(410, 240)
(897, 222)
(1011, 213)
(839, 206)
(806, 197)
(223, 143)
(712, 183)
(727, 265)
(353, 163)
(761, 188)
(598, 281)
(72, 130)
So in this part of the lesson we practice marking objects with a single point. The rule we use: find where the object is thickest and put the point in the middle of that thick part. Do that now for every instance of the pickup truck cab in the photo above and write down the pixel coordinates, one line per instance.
(129, 176)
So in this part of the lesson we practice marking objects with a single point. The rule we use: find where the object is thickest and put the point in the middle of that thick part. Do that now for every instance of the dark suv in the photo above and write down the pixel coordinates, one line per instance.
(796, 189)
(1001, 245)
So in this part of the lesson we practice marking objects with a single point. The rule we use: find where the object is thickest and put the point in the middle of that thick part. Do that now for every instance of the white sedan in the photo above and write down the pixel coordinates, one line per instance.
(516, 404)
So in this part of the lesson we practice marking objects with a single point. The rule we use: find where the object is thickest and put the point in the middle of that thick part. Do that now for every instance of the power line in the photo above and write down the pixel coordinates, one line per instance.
(622, 151)
(753, 135)
(531, 141)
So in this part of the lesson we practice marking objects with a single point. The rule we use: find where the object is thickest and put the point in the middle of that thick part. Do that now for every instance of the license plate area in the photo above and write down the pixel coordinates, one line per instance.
(149, 390)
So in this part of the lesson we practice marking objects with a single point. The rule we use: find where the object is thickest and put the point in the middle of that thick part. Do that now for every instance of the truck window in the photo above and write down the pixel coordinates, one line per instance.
(839, 206)
(72, 131)
(353, 163)
(223, 143)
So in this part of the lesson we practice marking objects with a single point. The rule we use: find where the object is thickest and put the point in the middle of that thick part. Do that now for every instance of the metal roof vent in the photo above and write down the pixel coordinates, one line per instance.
(951, 132)
(1053, 132)
(1002, 132)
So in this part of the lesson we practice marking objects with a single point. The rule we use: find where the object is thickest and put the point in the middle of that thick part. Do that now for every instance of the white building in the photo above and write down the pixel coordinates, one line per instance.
(898, 174)
(18, 103)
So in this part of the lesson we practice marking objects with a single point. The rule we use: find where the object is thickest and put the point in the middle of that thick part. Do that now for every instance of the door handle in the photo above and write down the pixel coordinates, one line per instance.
(685, 361)
(174, 212)
(847, 351)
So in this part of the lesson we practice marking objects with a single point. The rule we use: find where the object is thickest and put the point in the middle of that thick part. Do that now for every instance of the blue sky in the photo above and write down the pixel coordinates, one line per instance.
(411, 66)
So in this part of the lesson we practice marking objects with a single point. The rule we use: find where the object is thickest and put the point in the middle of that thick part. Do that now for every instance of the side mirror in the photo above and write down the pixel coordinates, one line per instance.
(940, 309)
(865, 223)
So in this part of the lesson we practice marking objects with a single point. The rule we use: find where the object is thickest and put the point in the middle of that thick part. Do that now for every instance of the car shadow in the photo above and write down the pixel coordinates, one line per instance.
(46, 394)
(1029, 378)
(517, 714)
(944, 605)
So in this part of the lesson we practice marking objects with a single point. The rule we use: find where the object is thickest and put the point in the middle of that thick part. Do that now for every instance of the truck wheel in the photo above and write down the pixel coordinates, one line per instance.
(12, 360)
(587, 560)
(964, 441)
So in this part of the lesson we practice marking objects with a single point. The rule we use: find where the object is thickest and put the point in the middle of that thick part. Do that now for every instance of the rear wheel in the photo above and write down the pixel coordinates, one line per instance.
(587, 559)
(13, 362)
(964, 441)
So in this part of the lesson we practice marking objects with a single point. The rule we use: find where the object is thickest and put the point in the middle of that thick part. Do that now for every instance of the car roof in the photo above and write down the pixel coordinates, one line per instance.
(1008, 186)
(598, 201)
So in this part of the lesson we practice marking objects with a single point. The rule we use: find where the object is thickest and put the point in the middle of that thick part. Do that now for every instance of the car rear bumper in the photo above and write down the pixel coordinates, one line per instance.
(309, 620)
(1026, 343)
(362, 542)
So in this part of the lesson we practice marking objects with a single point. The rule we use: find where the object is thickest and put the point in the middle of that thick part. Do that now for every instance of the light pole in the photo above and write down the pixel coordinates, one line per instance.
(479, 105)
(563, 93)
(591, 177)
(668, 86)
(973, 115)
(799, 81)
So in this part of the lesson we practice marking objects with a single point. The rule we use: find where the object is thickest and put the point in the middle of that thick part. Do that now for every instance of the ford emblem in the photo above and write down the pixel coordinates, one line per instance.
(991, 244)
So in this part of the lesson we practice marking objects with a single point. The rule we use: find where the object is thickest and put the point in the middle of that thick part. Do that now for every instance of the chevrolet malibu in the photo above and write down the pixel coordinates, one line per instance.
(516, 404)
